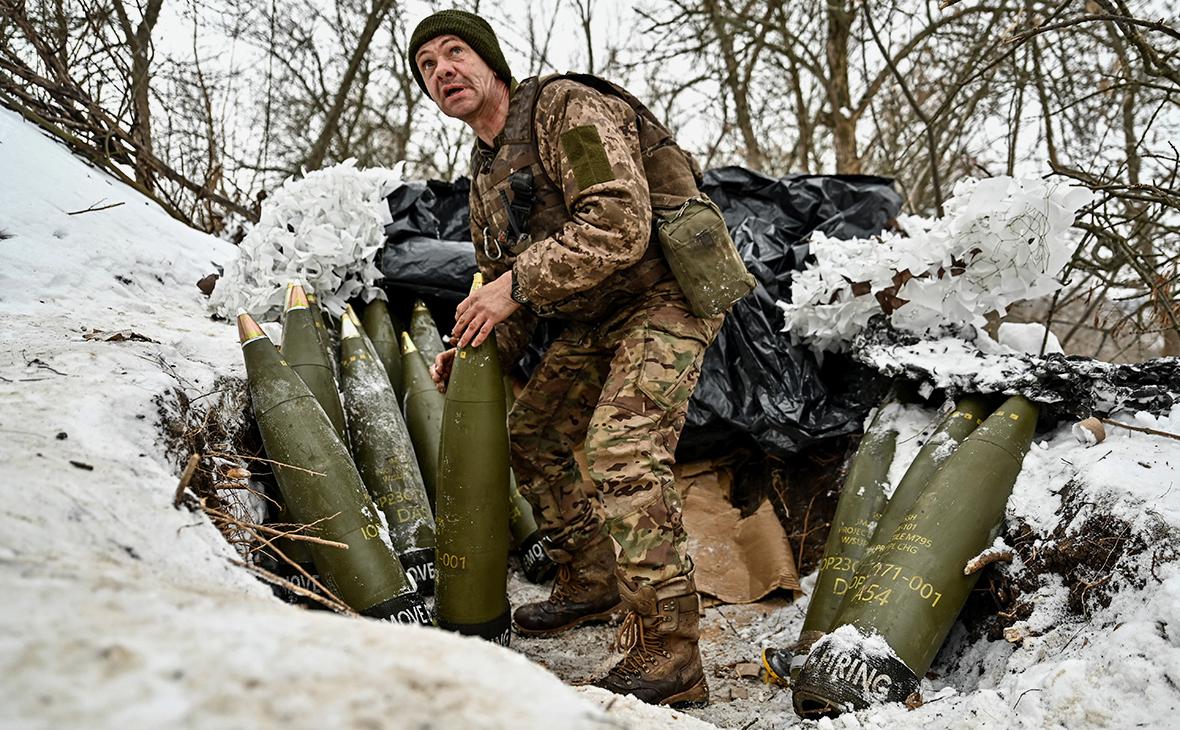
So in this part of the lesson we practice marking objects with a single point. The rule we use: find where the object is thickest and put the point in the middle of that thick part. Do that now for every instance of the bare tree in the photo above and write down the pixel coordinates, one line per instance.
(138, 39)
(373, 20)
(83, 73)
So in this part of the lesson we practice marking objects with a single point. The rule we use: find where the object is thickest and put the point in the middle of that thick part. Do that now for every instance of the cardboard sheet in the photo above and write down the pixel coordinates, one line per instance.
(738, 560)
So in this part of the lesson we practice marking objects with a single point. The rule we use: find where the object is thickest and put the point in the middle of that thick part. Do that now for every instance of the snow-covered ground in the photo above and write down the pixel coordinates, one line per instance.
(120, 610)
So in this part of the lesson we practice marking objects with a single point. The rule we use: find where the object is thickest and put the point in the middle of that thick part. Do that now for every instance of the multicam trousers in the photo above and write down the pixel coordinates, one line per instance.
(621, 386)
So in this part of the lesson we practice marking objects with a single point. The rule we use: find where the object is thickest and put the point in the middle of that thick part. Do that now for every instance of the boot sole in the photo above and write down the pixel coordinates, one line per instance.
(600, 617)
(695, 696)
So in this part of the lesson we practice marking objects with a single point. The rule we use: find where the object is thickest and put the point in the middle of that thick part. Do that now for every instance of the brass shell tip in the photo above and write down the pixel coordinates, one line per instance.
(476, 281)
(408, 345)
(248, 329)
(296, 297)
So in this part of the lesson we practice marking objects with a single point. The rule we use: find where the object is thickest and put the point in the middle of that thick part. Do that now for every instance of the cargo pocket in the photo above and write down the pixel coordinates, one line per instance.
(670, 367)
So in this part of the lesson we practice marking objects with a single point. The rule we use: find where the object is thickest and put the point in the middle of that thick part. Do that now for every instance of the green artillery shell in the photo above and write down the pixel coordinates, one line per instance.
(423, 408)
(526, 537)
(321, 331)
(321, 486)
(424, 332)
(382, 333)
(969, 412)
(302, 351)
(385, 457)
(914, 589)
(472, 509)
(861, 501)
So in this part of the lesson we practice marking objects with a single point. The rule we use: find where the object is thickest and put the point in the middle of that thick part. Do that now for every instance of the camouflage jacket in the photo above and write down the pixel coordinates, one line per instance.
(589, 250)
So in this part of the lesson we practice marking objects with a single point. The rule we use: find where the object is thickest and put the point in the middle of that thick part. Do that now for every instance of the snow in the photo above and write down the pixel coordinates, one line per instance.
(850, 639)
(1001, 241)
(122, 611)
(913, 425)
(1027, 337)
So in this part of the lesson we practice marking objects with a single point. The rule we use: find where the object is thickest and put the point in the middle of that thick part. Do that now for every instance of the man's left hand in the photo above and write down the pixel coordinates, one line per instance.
(478, 314)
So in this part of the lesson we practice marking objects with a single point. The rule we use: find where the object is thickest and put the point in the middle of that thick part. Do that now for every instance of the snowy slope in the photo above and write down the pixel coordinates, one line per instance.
(119, 610)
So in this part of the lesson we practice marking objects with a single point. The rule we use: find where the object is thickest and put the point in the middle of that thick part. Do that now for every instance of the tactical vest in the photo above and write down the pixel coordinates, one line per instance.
(524, 204)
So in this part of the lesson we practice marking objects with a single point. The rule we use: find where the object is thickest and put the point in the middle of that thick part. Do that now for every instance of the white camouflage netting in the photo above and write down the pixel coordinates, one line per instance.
(323, 230)
(1002, 240)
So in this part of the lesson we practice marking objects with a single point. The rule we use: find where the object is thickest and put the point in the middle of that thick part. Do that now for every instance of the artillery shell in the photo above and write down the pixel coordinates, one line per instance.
(383, 333)
(538, 567)
(320, 320)
(911, 592)
(471, 504)
(861, 502)
(385, 456)
(424, 332)
(321, 487)
(303, 352)
(423, 409)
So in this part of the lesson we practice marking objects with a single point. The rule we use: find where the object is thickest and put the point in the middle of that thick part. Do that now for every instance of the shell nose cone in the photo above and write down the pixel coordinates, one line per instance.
(248, 328)
(296, 297)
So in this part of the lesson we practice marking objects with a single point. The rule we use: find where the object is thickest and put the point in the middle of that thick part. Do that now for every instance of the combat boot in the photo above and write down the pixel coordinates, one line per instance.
(659, 635)
(585, 590)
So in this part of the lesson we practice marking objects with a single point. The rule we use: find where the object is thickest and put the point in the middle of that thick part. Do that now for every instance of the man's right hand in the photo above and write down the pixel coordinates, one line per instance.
(440, 370)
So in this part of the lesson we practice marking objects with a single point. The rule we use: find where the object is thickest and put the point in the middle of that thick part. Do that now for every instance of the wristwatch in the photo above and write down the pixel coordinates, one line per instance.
(517, 294)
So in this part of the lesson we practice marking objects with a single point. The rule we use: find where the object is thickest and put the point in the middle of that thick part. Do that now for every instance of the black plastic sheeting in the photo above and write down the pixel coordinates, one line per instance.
(756, 388)
(428, 246)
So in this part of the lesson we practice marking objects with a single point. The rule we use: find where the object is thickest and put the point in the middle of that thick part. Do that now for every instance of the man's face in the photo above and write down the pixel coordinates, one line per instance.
(457, 79)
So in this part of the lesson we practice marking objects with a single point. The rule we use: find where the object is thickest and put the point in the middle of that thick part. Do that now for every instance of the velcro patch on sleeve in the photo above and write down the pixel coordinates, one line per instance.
(583, 147)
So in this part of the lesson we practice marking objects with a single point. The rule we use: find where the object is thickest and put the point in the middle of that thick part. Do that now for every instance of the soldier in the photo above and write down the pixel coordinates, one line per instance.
(561, 218)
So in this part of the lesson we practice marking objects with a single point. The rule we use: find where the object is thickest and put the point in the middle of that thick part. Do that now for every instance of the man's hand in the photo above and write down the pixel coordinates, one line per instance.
(482, 310)
(440, 369)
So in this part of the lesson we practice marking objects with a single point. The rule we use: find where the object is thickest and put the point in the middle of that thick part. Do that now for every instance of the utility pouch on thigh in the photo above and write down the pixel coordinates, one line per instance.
(703, 257)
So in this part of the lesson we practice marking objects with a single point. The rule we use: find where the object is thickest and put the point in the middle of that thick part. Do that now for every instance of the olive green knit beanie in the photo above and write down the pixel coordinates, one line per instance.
(473, 29)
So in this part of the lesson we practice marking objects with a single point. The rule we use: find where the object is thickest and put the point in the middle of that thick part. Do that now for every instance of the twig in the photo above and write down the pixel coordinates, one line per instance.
(931, 138)
(310, 578)
(267, 461)
(299, 590)
(986, 558)
(293, 535)
(727, 621)
(93, 209)
(803, 537)
(1143, 429)
(185, 477)
(1022, 694)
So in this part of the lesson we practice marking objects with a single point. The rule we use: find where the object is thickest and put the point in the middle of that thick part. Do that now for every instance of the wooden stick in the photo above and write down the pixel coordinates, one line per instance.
(185, 477)
(268, 461)
(1143, 429)
(93, 209)
(311, 578)
(986, 558)
(293, 535)
(299, 590)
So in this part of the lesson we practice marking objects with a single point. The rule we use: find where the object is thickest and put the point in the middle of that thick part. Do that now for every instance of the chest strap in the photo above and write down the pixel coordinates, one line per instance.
(520, 206)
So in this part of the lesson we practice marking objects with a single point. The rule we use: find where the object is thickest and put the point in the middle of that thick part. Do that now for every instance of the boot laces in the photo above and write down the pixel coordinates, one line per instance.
(567, 582)
(641, 645)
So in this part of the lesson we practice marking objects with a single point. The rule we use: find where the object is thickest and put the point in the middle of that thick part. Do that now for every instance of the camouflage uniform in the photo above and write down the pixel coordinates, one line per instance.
(620, 375)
